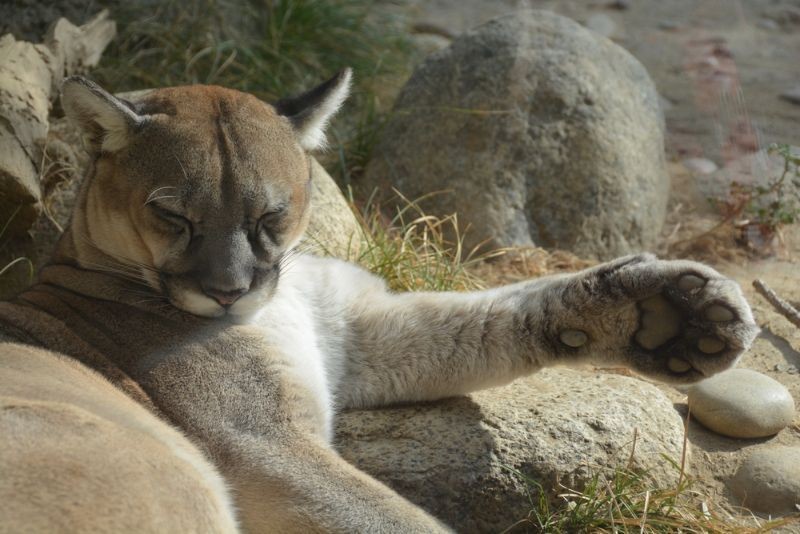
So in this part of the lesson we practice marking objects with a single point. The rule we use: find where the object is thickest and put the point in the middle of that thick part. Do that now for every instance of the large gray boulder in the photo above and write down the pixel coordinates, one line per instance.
(544, 132)
(454, 457)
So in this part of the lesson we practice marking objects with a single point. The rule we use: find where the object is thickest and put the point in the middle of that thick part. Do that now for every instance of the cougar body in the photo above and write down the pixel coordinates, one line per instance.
(179, 366)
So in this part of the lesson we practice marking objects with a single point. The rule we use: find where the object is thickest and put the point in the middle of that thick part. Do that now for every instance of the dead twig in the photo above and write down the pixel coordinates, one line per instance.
(782, 307)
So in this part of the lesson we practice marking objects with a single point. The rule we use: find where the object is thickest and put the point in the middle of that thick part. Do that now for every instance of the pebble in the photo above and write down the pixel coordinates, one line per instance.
(602, 24)
(668, 25)
(622, 5)
(786, 368)
(768, 481)
(768, 24)
(742, 403)
(700, 165)
(428, 43)
(792, 95)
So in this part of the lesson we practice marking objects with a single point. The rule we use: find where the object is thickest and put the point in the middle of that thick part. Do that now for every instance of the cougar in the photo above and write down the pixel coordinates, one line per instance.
(178, 365)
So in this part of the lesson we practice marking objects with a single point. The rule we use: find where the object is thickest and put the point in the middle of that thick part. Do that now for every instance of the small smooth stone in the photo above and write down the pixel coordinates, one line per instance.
(718, 313)
(768, 24)
(688, 282)
(742, 403)
(700, 165)
(668, 25)
(665, 103)
(768, 481)
(573, 338)
(678, 365)
(710, 345)
(792, 95)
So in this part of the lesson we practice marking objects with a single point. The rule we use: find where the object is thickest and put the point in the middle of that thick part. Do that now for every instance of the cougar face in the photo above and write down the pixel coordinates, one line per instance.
(200, 190)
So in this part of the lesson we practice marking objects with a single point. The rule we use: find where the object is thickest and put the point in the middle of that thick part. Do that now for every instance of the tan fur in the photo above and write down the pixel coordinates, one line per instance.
(169, 303)
(80, 456)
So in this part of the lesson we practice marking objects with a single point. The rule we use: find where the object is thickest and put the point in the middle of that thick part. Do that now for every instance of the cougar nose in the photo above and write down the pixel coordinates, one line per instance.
(225, 298)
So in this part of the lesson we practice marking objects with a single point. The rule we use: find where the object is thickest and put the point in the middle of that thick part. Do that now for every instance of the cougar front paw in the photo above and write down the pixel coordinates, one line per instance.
(691, 322)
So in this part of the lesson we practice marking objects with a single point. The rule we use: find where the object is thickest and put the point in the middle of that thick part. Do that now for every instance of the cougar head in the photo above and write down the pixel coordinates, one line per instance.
(199, 191)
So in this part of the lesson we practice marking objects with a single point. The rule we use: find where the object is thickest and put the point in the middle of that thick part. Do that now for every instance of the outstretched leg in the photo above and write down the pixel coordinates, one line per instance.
(677, 321)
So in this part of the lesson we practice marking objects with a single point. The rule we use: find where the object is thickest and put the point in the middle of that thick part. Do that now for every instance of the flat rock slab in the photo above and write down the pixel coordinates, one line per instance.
(454, 457)
(741, 403)
(768, 481)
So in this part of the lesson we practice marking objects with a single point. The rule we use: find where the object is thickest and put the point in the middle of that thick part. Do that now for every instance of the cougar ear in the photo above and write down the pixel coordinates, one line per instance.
(105, 121)
(310, 112)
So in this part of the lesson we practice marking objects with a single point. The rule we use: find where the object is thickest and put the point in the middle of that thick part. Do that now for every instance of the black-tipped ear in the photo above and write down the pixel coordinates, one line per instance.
(106, 121)
(310, 112)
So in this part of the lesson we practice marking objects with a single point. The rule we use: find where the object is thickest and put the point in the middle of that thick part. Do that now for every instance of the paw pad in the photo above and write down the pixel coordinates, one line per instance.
(710, 345)
(678, 365)
(573, 338)
(719, 314)
(689, 282)
(660, 322)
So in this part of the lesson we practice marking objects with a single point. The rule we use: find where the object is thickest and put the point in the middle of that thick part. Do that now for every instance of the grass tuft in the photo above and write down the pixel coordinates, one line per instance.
(270, 48)
(631, 501)
(412, 251)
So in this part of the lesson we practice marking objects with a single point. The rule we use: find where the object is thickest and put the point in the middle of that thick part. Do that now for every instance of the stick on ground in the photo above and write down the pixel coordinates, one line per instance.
(783, 307)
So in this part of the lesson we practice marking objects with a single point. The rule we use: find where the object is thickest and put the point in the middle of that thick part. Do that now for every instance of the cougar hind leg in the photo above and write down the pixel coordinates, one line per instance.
(78, 455)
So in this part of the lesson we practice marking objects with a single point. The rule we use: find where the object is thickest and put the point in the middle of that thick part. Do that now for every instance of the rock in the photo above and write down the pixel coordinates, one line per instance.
(28, 20)
(786, 368)
(668, 25)
(665, 103)
(428, 43)
(601, 24)
(768, 24)
(454, 457)
(741, 403)
(544, 133)
(700, 165)
(333, 229)
(792, 95)
(768, 481)
(622, 5)
(30, 78)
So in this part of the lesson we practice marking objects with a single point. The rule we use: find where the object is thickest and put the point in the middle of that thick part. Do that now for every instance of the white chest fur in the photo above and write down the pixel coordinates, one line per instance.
(307, 320)
(289, 324)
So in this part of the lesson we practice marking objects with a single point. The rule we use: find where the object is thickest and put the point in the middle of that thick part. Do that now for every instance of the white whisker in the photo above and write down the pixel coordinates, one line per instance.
(155, 191)
(149, 200)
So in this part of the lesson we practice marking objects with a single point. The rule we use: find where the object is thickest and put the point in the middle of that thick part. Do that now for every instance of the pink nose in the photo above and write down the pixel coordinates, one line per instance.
(225, 298)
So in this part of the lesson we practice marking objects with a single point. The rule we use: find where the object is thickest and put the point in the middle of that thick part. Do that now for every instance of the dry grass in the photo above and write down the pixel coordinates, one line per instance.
(415, 251)
(626, 500)
(412, 250)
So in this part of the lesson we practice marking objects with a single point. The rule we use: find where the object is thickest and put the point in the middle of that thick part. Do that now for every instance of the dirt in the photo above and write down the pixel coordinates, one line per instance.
(720, 67)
